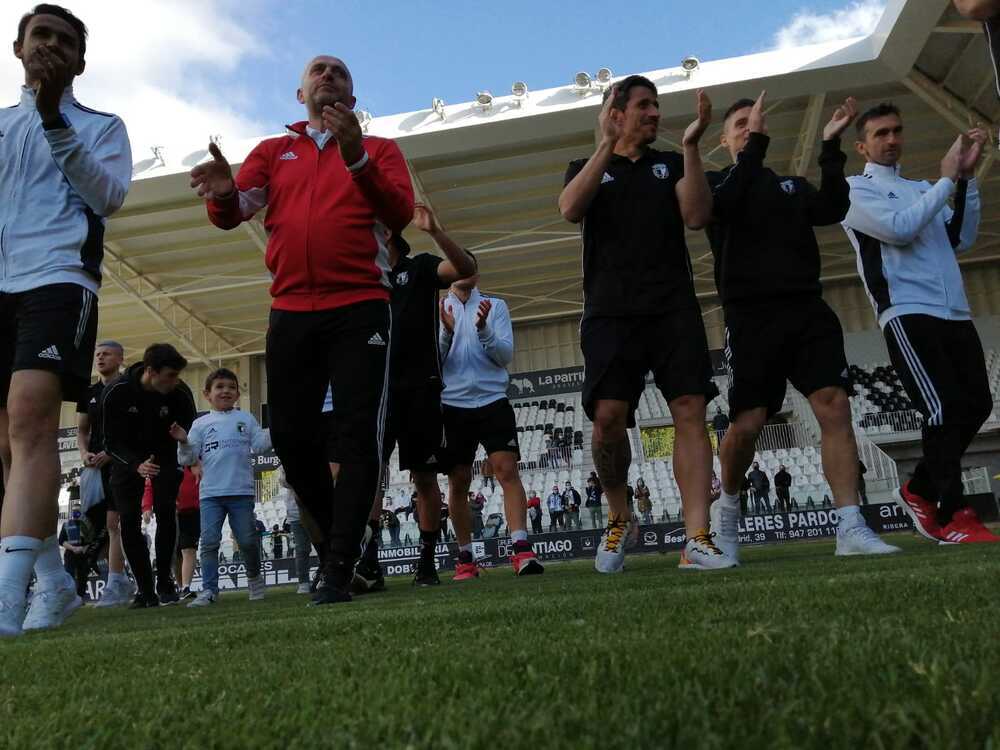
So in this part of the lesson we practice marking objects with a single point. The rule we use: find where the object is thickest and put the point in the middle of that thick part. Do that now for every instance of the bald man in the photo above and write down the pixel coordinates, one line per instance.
(333, 196)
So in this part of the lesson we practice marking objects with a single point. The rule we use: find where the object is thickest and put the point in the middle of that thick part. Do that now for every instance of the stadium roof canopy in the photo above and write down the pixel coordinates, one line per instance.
(493, 175)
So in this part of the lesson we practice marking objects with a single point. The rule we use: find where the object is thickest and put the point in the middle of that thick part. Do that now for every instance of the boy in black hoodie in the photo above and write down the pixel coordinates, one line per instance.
(138, 410)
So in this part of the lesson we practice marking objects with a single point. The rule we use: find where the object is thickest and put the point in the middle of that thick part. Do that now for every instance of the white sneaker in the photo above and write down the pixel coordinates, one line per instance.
(11, 618)
(50, 608)
(701, 553)
(116, 595)
(205, 598)
(256, 588)
(725, 526)
(302, 589)
(611, 551)
(861, 540)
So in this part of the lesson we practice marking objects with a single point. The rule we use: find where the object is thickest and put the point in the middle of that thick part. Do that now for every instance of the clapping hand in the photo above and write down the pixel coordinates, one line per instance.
(697, 128)
(343, 123)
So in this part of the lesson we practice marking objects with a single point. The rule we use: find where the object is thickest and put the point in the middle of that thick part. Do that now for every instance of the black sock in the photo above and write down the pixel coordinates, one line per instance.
(428, 542)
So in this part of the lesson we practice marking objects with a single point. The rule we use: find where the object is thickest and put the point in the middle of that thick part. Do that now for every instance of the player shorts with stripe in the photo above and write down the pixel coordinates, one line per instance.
(52, 328)
(493, 426)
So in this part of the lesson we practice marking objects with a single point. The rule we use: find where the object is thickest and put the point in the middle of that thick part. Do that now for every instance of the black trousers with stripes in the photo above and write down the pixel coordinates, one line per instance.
(306, 352)
(942, 368)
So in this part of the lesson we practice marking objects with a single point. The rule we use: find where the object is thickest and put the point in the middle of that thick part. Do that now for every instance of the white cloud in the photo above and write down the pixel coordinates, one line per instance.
(859, 18)
(158, 65)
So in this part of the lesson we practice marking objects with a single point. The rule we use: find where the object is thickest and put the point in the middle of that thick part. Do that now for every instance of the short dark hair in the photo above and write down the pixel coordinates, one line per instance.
(158, 356)
(221, 374)
(624, 86)
(736, 107)
(879, 110)
(48, 9)
(109, 344)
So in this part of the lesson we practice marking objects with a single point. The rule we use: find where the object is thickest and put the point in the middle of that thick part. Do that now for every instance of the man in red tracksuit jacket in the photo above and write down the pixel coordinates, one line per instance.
(330, 194)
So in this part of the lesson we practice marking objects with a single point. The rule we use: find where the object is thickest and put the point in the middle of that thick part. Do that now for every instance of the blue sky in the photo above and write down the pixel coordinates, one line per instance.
(178, 71)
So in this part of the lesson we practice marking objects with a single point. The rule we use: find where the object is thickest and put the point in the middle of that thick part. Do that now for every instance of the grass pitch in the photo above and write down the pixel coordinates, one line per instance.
(794, 649)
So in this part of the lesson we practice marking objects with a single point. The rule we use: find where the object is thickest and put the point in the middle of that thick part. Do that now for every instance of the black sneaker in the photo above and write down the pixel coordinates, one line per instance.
(334, 583)
(168, 594)
(425, 573)
(145, 602)
(367, 579)
(187, 593)
(331, 595)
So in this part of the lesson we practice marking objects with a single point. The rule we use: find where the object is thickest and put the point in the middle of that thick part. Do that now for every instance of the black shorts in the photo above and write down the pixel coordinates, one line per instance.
(618, 352)
(416, 424)
(188, 529)
(800, 342)
(51, 328)
(494, 426)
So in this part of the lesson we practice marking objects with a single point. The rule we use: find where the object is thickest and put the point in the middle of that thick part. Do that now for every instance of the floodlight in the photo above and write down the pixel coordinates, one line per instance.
(520, 91)
(582, 83)
(690, 64)
(437, 106)
(364, 119)
(604, 76)
(484, 99)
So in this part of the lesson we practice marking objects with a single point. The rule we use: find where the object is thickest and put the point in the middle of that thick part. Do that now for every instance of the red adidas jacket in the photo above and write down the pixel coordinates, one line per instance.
(325, 247)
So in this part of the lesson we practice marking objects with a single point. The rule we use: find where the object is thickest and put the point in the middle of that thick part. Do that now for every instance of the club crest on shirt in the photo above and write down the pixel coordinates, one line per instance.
(402, 278)
(660, 171)
(241, 427)
(164, 411)
(788, 186)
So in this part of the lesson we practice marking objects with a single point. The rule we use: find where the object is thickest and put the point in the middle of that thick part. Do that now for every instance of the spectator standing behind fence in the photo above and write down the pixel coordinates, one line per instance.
(535, 513)
(593, 502)
(761, 486)
(716, 490)
(572, 501)
(277, 543)
(556, 508)
(720, 423)
(300, 536)
(477, 503)
(782, 488)
(488, 476)
(391, 521)
(643, 501)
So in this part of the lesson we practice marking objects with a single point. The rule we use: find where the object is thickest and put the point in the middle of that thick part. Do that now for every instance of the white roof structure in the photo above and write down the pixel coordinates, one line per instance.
(493, 175)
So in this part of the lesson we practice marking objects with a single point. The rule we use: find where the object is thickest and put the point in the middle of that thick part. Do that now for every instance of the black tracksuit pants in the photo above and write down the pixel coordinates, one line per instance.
(347, 347)
(128, 488)
(943, 370)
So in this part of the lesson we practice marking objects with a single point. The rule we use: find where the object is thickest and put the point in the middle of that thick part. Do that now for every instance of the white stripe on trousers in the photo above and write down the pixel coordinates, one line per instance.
(383, 407)
(923, 380)
(81, 326)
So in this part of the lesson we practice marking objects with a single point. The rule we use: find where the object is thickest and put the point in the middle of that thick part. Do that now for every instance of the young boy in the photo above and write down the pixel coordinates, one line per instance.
(223, 440)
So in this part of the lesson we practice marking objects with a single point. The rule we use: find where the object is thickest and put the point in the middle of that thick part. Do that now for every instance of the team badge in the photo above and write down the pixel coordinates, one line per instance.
(241, 427)
(660, 171)
(403, 278)
(788, 186)
(164, 411)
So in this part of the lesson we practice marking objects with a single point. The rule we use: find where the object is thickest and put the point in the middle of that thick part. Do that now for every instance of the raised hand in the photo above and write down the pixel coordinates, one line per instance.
(608, 123)
(842, 117)
(213, 179)
(54, 75)
(447, 317)
(483, 313)
(951, 164)
(975, 141)
(758, 117)
(697, 128)
(178, 433)
(424, 219)
(342, 122)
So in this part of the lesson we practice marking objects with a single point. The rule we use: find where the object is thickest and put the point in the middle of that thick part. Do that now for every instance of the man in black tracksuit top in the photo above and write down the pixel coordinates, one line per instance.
(138, 410)
(778, 328)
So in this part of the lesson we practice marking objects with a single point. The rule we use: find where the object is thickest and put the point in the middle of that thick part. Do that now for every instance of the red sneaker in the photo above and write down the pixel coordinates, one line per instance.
(921, 511)
(966, 528)
(524, 561)
(465, 567)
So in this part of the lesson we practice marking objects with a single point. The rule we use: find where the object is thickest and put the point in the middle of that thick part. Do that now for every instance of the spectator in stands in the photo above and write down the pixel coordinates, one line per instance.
(782, 488)
(188, 529)
(720, 423)
(745, 496)
(716, 491)
(300, 536)
(535, 513)
(260, 530)
(488, 476)
(630, 499)
(80, 543)
(572, 503)
(552, 448)
(597, 481)
(444, 519)
(557, 507)
(477, 503)
(277, 543)
(827, 503)
(761, 487)
(593, 502)
(390, 521)
(862, 489)
(642, 498)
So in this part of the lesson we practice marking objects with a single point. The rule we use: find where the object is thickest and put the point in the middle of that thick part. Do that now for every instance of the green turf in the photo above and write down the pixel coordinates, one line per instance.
(795, 649)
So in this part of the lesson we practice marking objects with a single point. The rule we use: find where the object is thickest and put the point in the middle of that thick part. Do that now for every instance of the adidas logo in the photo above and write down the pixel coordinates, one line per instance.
(607, 178)
(431, 460)
(956, 536)
(133, 410)
(512, 443)
(893, 195)
(377, 340)
(288, 156)
(50, 353)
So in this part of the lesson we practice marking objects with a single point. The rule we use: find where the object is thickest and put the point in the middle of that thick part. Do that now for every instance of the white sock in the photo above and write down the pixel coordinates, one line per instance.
(848, 517)
(49, 565)
(519, 536)
(17, 558)
(732, 501)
